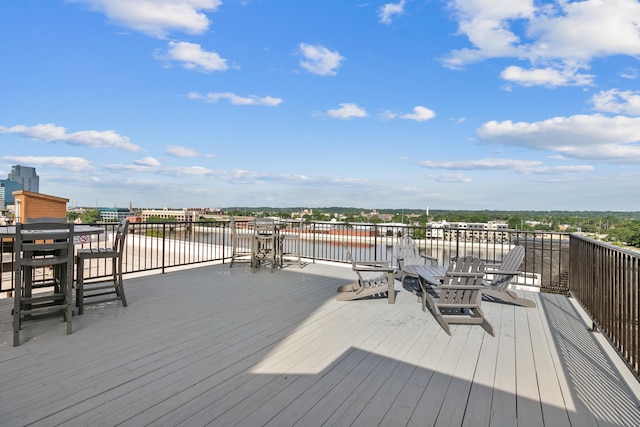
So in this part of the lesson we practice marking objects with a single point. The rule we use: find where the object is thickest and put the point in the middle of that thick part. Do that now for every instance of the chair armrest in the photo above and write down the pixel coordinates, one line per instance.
(463, 274)
(463, 287)
(429, 257)
(514, 273)
(380, 268)
(372, 263)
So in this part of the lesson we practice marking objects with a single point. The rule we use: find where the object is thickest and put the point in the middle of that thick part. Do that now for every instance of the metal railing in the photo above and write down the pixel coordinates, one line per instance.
(605, 280)
(158, 246)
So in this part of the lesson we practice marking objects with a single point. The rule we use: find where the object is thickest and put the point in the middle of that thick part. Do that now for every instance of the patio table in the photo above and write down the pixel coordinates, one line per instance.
(81, 235)
(263, 250)
(431, 274)
(9, 231)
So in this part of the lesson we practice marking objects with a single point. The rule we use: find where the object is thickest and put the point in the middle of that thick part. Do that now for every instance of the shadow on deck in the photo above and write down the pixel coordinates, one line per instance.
(220, 346)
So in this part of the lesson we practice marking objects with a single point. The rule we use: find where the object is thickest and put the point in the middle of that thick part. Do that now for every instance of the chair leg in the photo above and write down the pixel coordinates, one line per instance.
(68, 295)
(273, 254)
(120, 283)
(16, 309)
(233, 253)
(443, 323)
(80, 286)
(477, 312)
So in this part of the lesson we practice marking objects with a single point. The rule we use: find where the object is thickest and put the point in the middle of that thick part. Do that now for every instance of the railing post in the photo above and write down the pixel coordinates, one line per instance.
(164, 234)
(224, 239)
(313, 246)
(375, 242)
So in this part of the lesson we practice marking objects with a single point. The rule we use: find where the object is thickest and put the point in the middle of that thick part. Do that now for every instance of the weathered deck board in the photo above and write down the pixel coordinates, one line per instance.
(220, 346)
(527, 392)
(549, 379)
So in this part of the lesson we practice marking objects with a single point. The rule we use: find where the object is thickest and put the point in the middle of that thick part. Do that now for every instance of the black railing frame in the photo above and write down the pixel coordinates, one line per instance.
(603, 278)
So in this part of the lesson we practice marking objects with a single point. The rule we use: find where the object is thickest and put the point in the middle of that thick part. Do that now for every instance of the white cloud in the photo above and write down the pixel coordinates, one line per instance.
(481, 164)
(72, 164)
(617, 101)
(581, 30)
(629, 73)
(559, 38)
(232, 176)
(150, 165)
(49, 132)
(319, 60)
(193, 57)
(148, 161)
(420, 114)
(347, 111)
(388, 10)
(234, 99)
(520, 166)
(486, 23)
(589, 137)
(241, 176)
(546, 77)
(179, 151)
(566, 169)
(157, 17)
(450, 178)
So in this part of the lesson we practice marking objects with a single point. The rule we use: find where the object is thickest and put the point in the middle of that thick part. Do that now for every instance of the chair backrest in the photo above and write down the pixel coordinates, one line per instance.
(46, 219)
(293, 228)
(241, 228)
(349, 256)
(43, 244)
(264, 226)
(407, 251)
(354, 265)
(465, 272)
(511, 262)
(121, 235)
(232, 226)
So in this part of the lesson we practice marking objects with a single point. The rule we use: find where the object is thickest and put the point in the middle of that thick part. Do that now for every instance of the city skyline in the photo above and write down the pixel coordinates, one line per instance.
(451, 105)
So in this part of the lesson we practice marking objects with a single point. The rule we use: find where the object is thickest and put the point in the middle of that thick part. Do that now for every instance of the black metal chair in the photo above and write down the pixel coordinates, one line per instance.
(40, 248)
(102, 290)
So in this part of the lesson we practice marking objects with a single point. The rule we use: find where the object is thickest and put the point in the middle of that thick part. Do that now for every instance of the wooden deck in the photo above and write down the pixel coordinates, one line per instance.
(219, 346)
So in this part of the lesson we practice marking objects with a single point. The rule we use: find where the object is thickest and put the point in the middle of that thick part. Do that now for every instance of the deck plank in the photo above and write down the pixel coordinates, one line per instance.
(214, 345)
(459, 389)
(503, 403)
(549, 379)
(478, 407)
(433, 395)
(529, 411)
(385, 334)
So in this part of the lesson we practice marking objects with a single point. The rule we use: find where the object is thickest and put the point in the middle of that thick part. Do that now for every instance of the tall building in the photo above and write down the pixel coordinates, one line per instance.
(26, 176)
(20, 178)
(115, 214)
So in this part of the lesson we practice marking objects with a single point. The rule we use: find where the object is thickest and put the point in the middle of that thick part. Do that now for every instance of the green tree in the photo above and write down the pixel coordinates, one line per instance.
(627, 233)
(155, 218)
(515, 222)
(90, 216)
(634, 235)
(203, 219)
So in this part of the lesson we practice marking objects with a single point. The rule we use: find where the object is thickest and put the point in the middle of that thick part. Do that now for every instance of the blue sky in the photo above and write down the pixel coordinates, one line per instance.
(477, 104)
